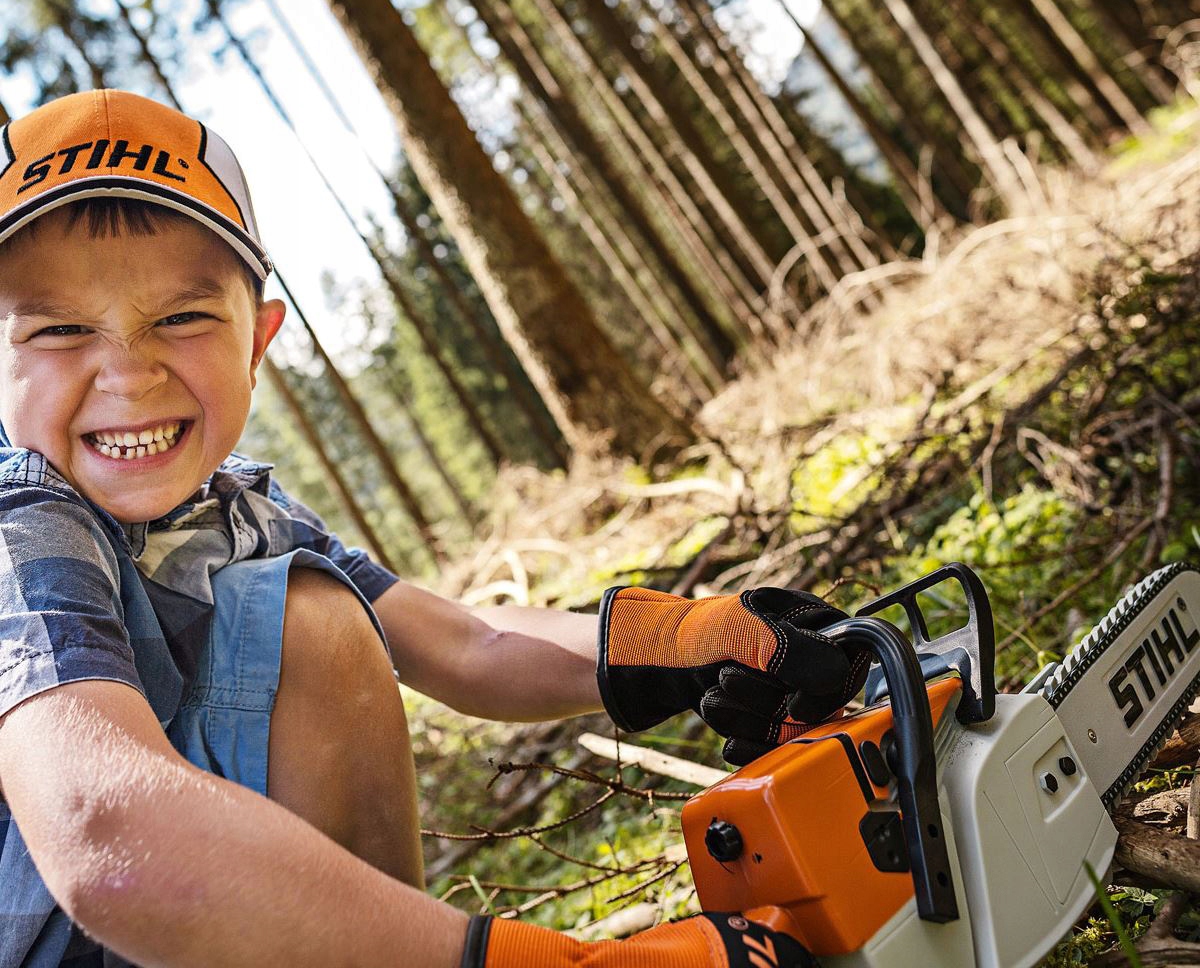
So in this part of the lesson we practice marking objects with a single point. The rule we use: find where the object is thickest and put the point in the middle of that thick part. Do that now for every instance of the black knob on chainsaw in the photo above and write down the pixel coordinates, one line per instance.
(724, 841)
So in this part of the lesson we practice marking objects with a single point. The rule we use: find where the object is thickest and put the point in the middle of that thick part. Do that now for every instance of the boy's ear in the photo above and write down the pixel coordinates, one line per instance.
(267, 321)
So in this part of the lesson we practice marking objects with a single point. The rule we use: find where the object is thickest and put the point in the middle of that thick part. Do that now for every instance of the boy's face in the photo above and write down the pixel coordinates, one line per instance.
(104, 338)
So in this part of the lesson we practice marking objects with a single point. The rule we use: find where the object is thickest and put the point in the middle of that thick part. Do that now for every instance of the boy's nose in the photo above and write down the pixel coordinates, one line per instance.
(129, 373)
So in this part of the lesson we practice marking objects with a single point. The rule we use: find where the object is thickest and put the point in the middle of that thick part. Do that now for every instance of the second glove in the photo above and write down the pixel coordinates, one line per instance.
(734, 659)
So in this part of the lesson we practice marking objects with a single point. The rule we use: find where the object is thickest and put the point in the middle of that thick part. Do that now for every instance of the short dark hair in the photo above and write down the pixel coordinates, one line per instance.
(118, 215)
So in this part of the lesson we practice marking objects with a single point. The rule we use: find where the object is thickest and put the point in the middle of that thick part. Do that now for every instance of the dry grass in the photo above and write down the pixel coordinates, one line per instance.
(984, 306)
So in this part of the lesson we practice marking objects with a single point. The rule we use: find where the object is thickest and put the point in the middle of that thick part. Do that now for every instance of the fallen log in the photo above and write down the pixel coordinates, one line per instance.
(1171, 860)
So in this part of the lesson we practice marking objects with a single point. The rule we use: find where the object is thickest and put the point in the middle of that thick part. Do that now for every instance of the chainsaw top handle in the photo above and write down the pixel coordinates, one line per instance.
(970, 651)
(913, 766)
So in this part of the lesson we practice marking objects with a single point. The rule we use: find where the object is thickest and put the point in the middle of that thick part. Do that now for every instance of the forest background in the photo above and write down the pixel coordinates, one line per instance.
(651, 298)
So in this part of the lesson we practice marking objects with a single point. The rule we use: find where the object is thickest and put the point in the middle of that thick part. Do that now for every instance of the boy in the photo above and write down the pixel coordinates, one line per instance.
(203, 754)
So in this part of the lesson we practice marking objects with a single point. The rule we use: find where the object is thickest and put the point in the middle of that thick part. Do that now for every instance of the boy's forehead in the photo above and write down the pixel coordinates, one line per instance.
(178, 260)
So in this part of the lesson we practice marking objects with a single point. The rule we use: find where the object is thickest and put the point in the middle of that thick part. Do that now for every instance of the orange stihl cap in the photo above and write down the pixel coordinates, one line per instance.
(104, 144)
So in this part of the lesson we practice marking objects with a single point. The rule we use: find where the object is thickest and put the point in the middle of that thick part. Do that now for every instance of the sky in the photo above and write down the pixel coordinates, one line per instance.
(306, 233)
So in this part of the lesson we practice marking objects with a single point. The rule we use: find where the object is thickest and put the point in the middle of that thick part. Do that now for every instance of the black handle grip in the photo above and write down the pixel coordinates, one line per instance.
(915, 769)
(970, 651)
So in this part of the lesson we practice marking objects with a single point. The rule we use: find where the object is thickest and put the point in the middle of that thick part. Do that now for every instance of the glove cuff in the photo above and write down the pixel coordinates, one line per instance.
(479, 929)
(608, 694)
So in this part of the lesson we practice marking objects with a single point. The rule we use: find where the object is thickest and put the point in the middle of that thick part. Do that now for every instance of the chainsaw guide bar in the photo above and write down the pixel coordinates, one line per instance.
(1124, 688)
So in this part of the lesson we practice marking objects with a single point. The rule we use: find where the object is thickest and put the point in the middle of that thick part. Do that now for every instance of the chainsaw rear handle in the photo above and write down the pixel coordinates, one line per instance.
(913, 763)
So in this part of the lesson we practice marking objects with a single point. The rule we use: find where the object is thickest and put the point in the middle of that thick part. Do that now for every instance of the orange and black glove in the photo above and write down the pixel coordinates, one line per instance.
(743, 662)
(704, 941)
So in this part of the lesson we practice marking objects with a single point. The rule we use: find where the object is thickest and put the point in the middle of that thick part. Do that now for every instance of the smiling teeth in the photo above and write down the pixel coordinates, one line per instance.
(125, 445)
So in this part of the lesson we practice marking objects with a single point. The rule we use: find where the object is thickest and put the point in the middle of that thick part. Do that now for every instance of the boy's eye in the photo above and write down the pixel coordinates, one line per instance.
(179, 319)
(63, 330)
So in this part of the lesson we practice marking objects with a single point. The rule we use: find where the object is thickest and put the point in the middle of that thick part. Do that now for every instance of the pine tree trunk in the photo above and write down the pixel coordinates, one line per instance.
(1123, 20)
(358, 414)
(609, 249)
(763, 115)
(906, 115)
(615, 37)
(827, 266)
(697, 285)
(469, 512)
(514, 377)
(1074, 55)
(967, 71)
(523, 396)
(748, 285)
(332, 472)
(905, 176)
(65, 17)
(586, 385)
(1060, 129)
(990, 154)
(590, 196)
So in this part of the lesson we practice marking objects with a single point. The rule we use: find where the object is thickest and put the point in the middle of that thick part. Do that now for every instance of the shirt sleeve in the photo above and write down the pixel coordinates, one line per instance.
(369, 577)
(61, 617)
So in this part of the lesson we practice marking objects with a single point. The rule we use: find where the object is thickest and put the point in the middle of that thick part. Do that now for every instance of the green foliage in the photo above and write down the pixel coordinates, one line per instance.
(1084, 944)
(835, 480)
(1169, 133)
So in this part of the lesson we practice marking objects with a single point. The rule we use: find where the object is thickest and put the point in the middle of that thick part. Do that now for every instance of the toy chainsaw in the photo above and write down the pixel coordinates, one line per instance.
(950, 826)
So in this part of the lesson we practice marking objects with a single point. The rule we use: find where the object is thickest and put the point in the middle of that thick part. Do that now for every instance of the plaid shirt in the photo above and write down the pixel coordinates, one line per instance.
(84, 597)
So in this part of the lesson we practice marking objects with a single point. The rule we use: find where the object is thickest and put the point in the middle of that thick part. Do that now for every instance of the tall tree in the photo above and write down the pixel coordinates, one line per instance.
(586, 384)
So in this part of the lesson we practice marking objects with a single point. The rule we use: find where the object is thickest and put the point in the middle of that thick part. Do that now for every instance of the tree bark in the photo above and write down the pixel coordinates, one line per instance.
(747, 285)
(1168, 858)
(514, 377)
(474, 416)
(1059, 127)
(1073, 53)
(826, 213)
(497, 352)
(959, 180)
(676, 119)
(826, 265)
(586, 385)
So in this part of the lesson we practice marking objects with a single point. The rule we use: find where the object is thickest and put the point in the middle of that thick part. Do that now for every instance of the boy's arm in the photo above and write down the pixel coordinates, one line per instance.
(746, 663)
(172, 866)
(502, 662)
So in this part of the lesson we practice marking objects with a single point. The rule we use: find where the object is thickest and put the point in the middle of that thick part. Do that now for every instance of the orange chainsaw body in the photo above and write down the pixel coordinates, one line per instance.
(803, 866)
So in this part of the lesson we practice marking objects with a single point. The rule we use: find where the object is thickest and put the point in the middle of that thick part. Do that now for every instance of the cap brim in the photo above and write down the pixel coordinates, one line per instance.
(115, 186)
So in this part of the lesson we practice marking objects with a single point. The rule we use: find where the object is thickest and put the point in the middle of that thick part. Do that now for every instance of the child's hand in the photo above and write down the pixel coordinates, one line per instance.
(737, 660)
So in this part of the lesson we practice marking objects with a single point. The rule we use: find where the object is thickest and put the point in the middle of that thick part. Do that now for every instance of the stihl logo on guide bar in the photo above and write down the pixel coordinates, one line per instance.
(1151, 662)
(103, 154)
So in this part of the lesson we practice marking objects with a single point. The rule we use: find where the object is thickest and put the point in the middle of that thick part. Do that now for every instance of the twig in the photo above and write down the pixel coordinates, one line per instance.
(654, 762)
(614, 785)
(486, 834)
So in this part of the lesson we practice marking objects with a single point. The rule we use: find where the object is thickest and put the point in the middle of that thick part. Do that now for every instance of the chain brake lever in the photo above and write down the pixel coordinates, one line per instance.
(970, 651)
